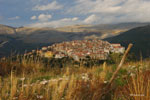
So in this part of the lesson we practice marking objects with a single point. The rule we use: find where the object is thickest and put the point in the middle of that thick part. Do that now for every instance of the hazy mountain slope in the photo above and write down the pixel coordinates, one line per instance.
(7, 29)
(10, 45)
(107, 30)
(76, 28)
(119, 26)
(31, 30)
(55, 36)
(140, 37)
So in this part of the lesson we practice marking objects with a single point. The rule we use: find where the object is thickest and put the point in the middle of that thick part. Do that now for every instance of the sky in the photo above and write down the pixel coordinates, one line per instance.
(58, 13)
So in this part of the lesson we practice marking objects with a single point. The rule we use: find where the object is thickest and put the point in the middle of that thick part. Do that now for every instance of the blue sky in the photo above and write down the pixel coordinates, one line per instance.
(57, 13)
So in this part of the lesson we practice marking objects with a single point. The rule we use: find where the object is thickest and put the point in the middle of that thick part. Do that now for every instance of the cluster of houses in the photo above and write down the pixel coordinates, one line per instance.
(80, 49)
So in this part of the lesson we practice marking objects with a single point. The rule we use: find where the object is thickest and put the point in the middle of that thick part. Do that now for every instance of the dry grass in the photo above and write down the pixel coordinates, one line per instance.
(137, 87)
(72, 87)
(27, 82)
(20, 65)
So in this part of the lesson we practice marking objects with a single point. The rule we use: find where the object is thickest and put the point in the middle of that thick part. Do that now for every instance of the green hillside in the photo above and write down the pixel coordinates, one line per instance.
(140, 37)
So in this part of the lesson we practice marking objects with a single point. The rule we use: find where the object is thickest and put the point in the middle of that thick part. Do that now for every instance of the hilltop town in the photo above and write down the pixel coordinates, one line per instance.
(80, 49)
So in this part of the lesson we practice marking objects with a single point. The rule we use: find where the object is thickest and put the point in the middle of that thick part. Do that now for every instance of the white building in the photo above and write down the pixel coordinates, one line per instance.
(117, 48)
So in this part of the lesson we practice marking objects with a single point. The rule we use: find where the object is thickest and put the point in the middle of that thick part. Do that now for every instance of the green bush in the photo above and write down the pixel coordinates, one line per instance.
(114, 58)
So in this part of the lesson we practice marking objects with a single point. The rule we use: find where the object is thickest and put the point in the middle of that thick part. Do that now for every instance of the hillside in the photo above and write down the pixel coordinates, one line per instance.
(23, 39)
(9, 45)
(6, 29)
(120, 26)
(138, 36)
(27, 38)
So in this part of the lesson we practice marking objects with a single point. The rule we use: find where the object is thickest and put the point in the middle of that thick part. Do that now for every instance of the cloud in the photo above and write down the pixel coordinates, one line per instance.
(44, 17)
(96, 6)
(33, 18)
(112, 11)
(50, 6)
(14, 18)
(90, 19)
(57, 23)
(75, 19)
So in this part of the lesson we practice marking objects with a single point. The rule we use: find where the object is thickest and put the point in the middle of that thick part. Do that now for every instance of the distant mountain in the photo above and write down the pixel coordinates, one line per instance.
(18, 40)
(6, 29)
(122, 26)
(139, 36)
(8, 44)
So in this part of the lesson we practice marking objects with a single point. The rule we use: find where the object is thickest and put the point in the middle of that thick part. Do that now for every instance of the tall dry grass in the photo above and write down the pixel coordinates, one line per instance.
(71, 87)
(24, 81)
(20, 65)
(137, 87)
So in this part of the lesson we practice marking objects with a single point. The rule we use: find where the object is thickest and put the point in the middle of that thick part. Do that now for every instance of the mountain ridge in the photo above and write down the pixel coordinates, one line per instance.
(138, 36)
(26, 38)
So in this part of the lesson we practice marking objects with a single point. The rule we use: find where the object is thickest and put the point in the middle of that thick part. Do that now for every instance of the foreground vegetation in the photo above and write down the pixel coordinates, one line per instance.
(32, 79)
